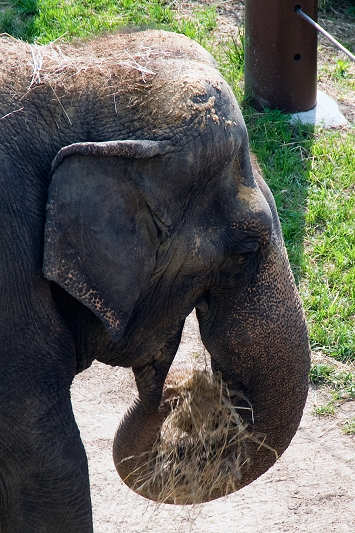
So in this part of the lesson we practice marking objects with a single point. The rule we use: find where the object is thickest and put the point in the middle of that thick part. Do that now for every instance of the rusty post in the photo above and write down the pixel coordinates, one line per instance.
(280, 55)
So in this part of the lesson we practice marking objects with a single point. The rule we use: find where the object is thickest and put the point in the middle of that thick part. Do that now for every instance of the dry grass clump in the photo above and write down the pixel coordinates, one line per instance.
(201, 451)
(126, 53)
(58, 62)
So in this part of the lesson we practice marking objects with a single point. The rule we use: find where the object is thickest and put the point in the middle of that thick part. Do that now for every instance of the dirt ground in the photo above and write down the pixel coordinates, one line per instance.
(310, 489)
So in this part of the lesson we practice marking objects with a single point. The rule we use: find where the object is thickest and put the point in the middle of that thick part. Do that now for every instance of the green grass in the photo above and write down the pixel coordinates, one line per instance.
(43, 21)
(328, 268)
(340, 386)
(327, 409)
(75, 18)
(231, 60)
(17, 18)
(311, 173)
(349, 427)
(346, 7)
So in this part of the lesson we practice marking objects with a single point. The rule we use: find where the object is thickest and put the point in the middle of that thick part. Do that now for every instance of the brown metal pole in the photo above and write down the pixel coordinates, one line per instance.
(280, 55)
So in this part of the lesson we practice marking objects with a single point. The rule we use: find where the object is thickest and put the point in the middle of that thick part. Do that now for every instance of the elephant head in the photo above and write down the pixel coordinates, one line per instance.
(252, 324)
(169, 217)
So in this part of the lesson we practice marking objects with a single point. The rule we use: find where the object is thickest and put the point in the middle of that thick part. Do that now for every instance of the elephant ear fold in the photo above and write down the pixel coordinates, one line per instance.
(100, 239)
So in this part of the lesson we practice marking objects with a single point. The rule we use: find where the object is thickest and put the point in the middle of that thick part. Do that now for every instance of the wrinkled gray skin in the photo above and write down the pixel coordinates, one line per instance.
(151, 209)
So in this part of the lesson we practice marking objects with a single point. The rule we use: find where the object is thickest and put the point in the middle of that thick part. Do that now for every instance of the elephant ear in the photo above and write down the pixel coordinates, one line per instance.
(100, 236)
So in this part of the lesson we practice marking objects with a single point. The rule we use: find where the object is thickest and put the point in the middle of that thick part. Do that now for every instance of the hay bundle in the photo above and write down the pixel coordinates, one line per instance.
(201, 450)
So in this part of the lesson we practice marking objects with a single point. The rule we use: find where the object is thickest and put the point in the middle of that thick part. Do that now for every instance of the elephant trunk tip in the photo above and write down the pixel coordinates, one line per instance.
(201, 449)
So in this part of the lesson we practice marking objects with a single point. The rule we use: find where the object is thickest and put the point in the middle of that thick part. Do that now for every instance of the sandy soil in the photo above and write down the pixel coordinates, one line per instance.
(310, 489)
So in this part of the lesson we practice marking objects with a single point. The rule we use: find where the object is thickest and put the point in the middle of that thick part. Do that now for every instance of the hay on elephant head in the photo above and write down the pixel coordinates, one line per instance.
(201, 450)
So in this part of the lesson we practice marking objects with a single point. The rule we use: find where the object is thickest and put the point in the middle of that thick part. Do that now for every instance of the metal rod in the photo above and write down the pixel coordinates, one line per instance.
(325, 33)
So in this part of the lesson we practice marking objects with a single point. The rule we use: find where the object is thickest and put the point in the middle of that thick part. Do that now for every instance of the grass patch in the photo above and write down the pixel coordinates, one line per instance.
(198, 25)
(343, 7)
(349, 427)
(338, 384)
(328, 267)
(342, 383)
(80, 18)
(43, 21)
(325, 410)
(17, 18)
(231, 60)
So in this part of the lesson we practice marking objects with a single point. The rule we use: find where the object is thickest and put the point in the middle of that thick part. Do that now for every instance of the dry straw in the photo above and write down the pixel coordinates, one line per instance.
(201, 451)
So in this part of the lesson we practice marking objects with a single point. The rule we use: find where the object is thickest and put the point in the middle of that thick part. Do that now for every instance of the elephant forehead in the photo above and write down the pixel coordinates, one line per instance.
(184, 99)
(148, 85)
(192, 92)
(169, 78)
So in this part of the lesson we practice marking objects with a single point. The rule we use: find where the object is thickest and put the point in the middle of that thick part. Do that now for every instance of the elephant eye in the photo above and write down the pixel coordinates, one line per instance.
(244, 247)
(244, 251)
(238, 259)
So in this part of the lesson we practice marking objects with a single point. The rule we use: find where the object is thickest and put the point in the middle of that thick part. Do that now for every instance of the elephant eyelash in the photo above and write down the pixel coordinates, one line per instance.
(242, 257)
(244, 248)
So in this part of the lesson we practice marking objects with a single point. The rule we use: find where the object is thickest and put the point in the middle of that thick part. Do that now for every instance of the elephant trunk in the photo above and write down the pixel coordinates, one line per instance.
(134, 439)
(258, 339)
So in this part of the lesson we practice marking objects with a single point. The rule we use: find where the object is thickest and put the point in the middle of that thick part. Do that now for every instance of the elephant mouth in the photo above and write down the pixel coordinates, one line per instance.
(200, 451)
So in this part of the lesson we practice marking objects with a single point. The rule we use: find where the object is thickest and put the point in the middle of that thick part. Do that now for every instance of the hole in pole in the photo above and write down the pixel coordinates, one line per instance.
(297, 57)
(298, 7)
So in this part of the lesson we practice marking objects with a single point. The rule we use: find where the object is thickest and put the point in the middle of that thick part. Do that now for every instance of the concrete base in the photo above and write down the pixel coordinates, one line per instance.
(326, 113)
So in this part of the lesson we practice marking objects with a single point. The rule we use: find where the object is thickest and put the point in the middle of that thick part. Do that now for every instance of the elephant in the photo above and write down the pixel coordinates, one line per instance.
(128, 199)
